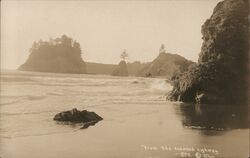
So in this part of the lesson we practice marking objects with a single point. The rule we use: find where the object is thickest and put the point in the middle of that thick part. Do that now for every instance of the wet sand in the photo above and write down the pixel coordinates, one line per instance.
(128, 131)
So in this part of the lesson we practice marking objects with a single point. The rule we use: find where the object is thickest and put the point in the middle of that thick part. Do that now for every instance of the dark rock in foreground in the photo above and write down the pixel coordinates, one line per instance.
(222, 72)
(87, 124)
(76, 116)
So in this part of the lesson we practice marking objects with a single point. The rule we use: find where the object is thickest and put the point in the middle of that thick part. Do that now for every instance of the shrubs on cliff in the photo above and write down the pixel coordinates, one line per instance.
(60, 55)
(221, 75)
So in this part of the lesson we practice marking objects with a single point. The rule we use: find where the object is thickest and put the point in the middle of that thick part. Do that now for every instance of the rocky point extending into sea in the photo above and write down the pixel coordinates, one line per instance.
(222, 72)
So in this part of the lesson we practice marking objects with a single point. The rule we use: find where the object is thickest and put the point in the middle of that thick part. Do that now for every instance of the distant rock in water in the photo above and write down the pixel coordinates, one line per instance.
(60, 55)
(166, 65)
(221, 75)
(121, 69)
(77, 116)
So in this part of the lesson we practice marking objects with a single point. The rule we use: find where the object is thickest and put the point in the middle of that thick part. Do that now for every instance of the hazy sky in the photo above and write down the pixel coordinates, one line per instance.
(105, 28)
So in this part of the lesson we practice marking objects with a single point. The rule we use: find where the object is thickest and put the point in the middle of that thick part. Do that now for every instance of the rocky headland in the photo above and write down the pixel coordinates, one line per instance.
(222, 72)
(165, 64)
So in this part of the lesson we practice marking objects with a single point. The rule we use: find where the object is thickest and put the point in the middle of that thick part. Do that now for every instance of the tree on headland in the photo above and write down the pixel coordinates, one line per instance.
(162, 49)
(66, 41)
(121, 69)
(35, 46)
(124, 55)
(57, 43)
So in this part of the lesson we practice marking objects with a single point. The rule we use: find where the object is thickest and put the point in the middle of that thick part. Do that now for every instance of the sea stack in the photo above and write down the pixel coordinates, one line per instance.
(60, 55)
(121, 69)
(222, 72)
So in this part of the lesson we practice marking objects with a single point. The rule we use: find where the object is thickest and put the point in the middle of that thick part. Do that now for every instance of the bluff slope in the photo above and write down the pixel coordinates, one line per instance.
(166, 64)
(221, 74)
(60, 55)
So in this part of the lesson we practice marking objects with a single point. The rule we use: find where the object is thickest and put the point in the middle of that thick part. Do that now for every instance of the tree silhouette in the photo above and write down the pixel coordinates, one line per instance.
(162, 49)
(124, 55)
(63, 45)
(66, 41)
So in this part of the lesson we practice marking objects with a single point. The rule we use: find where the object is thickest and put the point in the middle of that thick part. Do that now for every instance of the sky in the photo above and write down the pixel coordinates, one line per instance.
(104, 28)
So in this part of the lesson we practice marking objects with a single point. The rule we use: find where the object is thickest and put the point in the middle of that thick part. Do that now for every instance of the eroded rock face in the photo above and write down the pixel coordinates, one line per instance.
(121, 69)
(77, 116)
(221, 74)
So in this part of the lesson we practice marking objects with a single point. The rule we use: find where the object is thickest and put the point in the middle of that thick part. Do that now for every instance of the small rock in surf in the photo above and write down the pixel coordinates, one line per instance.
(77, 116)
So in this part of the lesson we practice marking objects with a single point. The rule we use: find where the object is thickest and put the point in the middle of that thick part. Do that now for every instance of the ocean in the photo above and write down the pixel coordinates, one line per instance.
(138, 121)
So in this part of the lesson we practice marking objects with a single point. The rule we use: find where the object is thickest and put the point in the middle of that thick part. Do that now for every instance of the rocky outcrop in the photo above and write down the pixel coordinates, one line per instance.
(60, 55)
(166, 64)
(121, 69)
(221, 74)
(77, 116)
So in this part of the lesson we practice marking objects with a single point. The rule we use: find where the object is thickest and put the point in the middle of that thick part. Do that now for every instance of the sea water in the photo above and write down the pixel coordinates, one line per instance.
(138, 121)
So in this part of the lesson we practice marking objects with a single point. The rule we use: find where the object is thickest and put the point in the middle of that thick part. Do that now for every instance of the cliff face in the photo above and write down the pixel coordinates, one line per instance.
(221, 75)
(121, 69)
(61, 55)
(166, 65)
